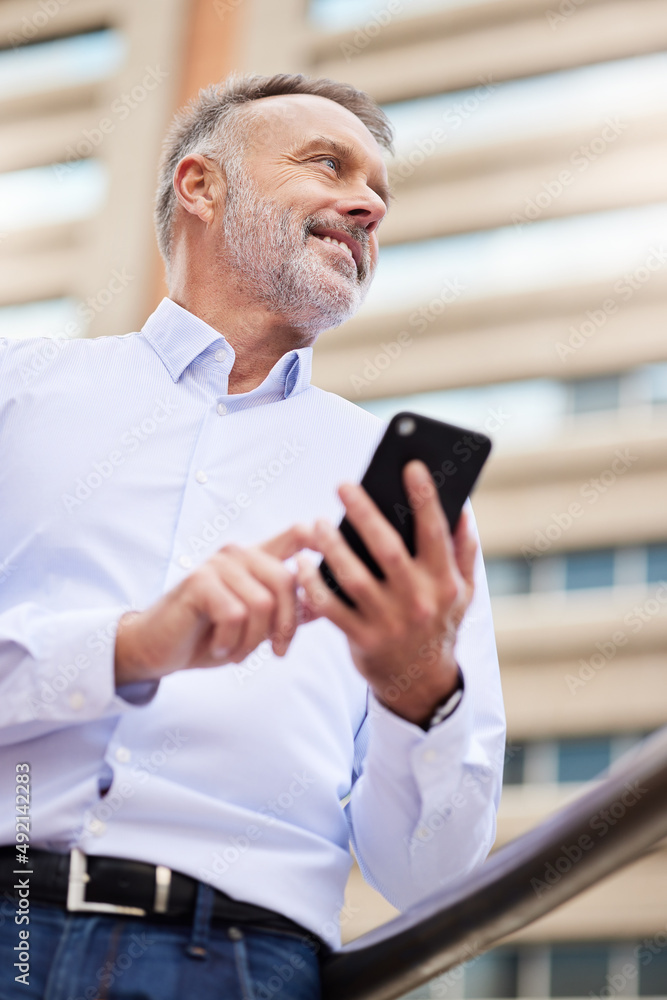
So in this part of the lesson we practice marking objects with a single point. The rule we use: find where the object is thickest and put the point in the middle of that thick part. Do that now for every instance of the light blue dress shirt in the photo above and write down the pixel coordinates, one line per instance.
(125, 464)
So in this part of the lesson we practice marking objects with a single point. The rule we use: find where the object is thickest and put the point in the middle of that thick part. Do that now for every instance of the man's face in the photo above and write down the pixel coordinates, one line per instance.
(313, 174)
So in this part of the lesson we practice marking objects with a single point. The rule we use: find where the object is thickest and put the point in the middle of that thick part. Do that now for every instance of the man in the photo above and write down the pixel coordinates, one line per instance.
(188, 745)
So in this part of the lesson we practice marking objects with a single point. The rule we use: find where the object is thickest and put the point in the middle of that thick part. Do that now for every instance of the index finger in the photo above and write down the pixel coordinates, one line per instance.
(433, 541)
(289, 542)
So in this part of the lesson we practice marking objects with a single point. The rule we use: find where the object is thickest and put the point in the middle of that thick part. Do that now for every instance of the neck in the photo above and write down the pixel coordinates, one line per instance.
(259, 337)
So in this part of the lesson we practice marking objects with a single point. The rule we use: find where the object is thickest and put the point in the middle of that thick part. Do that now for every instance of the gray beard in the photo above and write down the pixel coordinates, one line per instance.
(273, 255)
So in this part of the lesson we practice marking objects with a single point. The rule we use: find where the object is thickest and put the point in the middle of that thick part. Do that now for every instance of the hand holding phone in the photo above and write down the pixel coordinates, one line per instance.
(403, 625)
(454, 456)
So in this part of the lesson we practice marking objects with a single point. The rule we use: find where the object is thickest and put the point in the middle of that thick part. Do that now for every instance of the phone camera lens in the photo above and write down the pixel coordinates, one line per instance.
(406, 426)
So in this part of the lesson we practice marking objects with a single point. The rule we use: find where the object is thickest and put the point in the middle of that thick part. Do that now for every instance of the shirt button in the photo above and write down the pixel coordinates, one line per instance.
(201, 477)
(97, 827)
(430, 756)
(76, 700)
(220, 355)
(423, 833)
(221, 408)
(185, 562)
(123, 755)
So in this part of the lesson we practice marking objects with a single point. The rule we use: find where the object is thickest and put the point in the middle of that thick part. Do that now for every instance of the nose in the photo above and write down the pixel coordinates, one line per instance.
(364, 207)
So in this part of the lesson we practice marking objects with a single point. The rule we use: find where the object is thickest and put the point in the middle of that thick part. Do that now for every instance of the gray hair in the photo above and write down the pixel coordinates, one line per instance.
(212, 126)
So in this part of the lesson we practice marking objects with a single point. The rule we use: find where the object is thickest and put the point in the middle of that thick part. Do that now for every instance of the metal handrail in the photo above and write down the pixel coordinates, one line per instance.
(612, 823)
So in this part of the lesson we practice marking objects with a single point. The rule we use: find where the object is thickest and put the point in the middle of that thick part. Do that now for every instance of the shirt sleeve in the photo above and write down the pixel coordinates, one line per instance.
(57, 668)
(423, 808)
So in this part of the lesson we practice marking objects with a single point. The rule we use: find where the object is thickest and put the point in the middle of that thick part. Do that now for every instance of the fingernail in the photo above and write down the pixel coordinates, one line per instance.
(221, 651)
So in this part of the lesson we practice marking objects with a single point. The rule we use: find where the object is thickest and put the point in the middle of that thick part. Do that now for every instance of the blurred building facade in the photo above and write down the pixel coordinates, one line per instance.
(522, 290)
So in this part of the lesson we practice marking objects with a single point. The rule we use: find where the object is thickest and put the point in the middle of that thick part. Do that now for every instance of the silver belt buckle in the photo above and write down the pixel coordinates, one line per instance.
(79, 877)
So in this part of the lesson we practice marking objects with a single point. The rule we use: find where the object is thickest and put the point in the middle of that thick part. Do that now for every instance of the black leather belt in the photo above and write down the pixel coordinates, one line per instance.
(91, 884)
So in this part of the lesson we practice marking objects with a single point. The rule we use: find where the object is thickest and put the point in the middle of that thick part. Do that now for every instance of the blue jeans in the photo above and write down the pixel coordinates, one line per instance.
(100, 957)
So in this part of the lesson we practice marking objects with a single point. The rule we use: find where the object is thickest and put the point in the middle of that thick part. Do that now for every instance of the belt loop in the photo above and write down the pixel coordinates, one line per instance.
(201, 922)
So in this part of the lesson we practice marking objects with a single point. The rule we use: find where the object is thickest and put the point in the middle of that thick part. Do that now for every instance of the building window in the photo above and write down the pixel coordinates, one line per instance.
(579, 98)
(578, 970)
(656, 569)
(578, 570)
(528, 412)
(568, 759)
(47, 196)
(583, 759)
(570, 969)
(652, 962)
(492, 975)
(508, 576)
(339, 15)
(431, 274)
(656, 376)
(589, 569)
(62, 62)
(60, 318)
(513, 770)
(590, 394)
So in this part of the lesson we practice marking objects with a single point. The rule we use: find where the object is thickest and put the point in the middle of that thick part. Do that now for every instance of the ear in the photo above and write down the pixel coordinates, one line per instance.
(199, 185)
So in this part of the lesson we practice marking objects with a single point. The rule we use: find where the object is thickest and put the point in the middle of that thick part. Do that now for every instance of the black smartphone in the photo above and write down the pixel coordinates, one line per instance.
(454, 456)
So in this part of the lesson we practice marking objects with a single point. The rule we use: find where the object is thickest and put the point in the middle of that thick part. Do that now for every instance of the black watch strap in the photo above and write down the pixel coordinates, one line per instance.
(448, 706)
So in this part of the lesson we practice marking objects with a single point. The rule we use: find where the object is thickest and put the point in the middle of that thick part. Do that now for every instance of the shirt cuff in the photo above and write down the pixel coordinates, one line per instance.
(431, 762)
(65, 667)
(407, 749)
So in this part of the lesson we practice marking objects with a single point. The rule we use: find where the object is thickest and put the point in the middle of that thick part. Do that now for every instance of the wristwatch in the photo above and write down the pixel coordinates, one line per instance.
(446, 707)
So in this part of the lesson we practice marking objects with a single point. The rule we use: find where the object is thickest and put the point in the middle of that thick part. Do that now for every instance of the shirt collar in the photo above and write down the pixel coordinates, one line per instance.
(178, 337)
(292, 371)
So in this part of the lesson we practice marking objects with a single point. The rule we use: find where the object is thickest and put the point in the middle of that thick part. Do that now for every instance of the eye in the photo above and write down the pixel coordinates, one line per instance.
(330, 159)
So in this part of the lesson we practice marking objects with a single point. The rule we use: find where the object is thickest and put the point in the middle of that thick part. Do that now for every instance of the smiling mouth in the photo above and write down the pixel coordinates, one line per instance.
(339, 238)
(338, 243)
